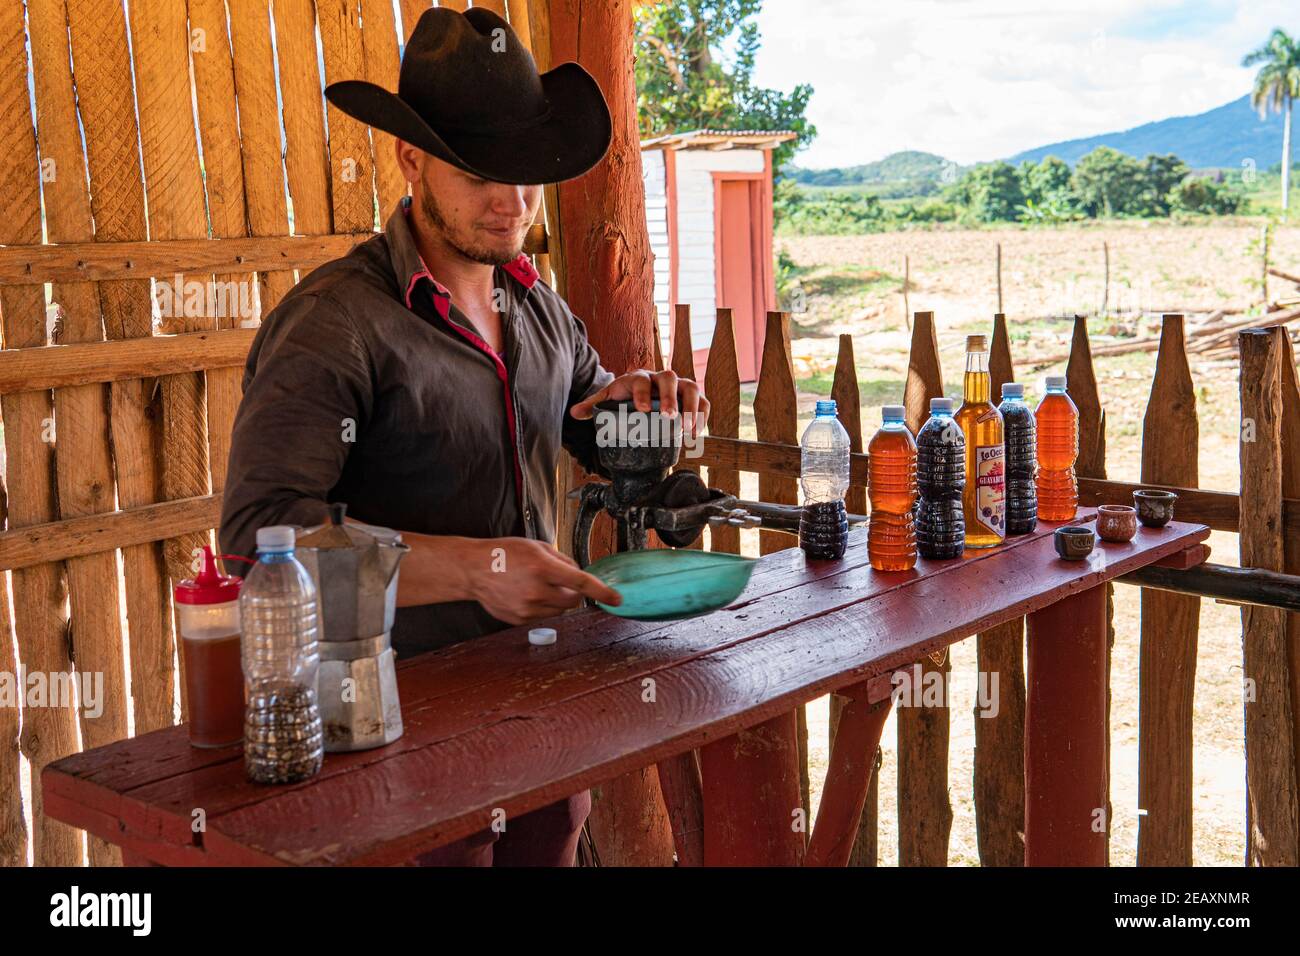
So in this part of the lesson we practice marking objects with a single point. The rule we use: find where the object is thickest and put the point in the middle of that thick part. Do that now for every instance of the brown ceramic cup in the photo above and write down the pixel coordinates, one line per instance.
(1116, 523)
(1155, 507)
(1074, 543)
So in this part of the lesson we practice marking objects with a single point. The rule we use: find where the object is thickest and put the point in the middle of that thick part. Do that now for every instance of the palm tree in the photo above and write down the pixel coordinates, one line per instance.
(1277, 84)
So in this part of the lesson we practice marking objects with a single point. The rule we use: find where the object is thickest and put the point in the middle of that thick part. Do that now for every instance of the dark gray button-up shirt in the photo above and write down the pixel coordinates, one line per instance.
(367, 385)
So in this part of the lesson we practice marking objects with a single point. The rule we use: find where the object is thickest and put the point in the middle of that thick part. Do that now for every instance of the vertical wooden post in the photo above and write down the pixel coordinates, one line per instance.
(1105, 287)
(1000, 739)
(1082, 382)
(683, 363)
(1274, 837)
(999, 286)
(722, 385)
(1291, 489)
(1170, 624)
(924, 811)
(604, 228)
(751, 793)
(862, 851)
(776, 420)
(907, 287)
(379, 44)
(1066, 789)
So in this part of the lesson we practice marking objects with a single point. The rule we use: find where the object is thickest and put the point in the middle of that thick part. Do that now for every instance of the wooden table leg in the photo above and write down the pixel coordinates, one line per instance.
(751, 792)
(679, 782)
(1066, 776)
(848, 777)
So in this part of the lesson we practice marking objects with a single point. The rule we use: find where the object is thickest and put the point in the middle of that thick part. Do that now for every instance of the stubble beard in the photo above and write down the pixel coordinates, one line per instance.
(483, 254)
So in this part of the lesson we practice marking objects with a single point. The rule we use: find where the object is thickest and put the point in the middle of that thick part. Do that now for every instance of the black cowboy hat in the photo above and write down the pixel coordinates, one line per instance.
(469, 93)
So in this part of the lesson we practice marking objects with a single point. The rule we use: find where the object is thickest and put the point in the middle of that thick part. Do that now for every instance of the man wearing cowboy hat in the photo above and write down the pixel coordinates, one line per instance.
(429, 378)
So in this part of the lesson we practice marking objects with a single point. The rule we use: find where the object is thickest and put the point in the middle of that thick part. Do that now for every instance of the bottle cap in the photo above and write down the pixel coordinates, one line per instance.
(1013, 390)
(209, 586)
(893, 413)
(940, 405)
(825, 406)
(541, 636)
(276, 537)
(976, 343)
(1056, 381)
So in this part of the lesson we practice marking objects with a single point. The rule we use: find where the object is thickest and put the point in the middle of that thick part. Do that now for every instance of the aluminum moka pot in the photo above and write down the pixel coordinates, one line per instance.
(354, 567)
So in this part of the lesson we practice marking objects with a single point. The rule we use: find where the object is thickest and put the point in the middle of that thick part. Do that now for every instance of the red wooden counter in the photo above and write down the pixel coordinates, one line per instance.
(497, 724)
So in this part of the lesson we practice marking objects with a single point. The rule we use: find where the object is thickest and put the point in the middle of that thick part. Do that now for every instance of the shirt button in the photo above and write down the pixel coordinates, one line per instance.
(528, 514)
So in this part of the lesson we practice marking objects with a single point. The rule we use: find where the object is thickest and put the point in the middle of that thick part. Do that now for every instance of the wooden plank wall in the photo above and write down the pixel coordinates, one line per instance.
(181, 115)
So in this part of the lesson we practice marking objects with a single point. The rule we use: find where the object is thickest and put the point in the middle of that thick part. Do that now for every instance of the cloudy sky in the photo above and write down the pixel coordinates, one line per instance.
(983, 79)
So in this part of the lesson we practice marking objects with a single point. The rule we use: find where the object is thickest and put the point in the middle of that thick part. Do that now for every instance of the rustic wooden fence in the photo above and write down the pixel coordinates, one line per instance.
(1265, 513)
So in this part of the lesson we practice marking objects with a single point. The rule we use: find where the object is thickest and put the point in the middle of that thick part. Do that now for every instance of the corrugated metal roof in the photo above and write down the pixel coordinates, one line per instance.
(720, 139)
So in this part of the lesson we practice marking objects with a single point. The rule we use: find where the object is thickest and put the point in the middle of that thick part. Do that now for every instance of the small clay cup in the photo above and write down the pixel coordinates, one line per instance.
(1074, 543)
(1116, 523)
(1155, 508)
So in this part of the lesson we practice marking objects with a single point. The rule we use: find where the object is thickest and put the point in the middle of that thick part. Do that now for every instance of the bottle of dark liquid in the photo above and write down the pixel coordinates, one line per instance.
(940, 481)
(1019, 435)
(824, 474)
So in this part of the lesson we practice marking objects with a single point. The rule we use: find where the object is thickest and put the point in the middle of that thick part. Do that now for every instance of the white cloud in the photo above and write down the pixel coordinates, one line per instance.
(982, 79)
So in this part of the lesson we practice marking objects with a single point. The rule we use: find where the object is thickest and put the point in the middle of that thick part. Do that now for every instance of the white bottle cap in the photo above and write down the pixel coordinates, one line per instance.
(940, 404)
(276, 537)
(541, 636)
(895, 412)
(1056, 381)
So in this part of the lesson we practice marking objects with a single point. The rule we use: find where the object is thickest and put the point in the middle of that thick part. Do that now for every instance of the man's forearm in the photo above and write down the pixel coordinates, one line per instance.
(439, 569)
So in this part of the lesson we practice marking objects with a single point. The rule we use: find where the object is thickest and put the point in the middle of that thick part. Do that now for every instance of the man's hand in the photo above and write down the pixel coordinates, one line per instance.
(520, 579)
(675, 395)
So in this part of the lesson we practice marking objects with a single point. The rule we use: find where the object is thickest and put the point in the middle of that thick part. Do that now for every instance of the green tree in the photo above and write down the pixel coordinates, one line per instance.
(991, 192)
(685, 82)
(1160, 178)
(1277, 84)
(1107, 182)
(1046, 181)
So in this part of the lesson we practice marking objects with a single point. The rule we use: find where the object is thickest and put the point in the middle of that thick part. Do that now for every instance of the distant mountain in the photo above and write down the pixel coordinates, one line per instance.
(909, 173)
(1222, 137)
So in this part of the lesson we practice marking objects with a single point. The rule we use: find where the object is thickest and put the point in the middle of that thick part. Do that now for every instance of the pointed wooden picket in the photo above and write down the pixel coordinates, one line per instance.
(1081, 382)
(722, 386)
(845, 391)
(1170, 623)
(924, 812)
(999, 771)
(683, 363)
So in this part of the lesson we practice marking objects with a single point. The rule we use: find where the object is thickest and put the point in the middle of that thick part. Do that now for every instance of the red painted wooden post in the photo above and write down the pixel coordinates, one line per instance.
(1065, 733)
(751, 792)
(848, 778)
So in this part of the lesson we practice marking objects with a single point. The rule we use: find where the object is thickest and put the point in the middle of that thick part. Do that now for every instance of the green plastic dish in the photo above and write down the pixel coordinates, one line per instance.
(668, 584)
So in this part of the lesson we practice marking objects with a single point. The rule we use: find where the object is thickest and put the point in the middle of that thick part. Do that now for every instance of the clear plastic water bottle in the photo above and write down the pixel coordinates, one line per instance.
(824, 474)
(279, 616)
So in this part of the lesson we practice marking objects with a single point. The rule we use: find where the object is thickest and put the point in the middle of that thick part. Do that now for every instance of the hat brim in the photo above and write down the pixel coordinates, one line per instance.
(567, 143)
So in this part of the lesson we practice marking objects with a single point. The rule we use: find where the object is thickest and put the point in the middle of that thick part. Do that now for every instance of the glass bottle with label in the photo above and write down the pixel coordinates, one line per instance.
(984, 499)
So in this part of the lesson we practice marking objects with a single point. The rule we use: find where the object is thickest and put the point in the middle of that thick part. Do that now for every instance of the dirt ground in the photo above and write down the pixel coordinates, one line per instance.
(852, 285)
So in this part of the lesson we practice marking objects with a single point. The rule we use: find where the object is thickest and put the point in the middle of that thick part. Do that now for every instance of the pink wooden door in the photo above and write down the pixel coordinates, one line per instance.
(739, 271)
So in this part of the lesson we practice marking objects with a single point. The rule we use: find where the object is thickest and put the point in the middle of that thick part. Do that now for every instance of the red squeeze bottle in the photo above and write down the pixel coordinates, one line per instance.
(1057, 422)
(207, 612)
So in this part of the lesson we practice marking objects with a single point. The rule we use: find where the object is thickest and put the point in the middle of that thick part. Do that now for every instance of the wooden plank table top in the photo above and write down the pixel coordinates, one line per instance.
(496, 724)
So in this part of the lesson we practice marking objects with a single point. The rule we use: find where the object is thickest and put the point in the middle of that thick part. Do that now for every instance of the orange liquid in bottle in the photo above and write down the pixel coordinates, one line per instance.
(1057, 422)
(984, 498)
(891, 485)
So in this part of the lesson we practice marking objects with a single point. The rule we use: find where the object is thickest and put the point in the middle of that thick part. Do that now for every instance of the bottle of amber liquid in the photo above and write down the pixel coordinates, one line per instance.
(984, 500)
(891, 485)
(1058, 446)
